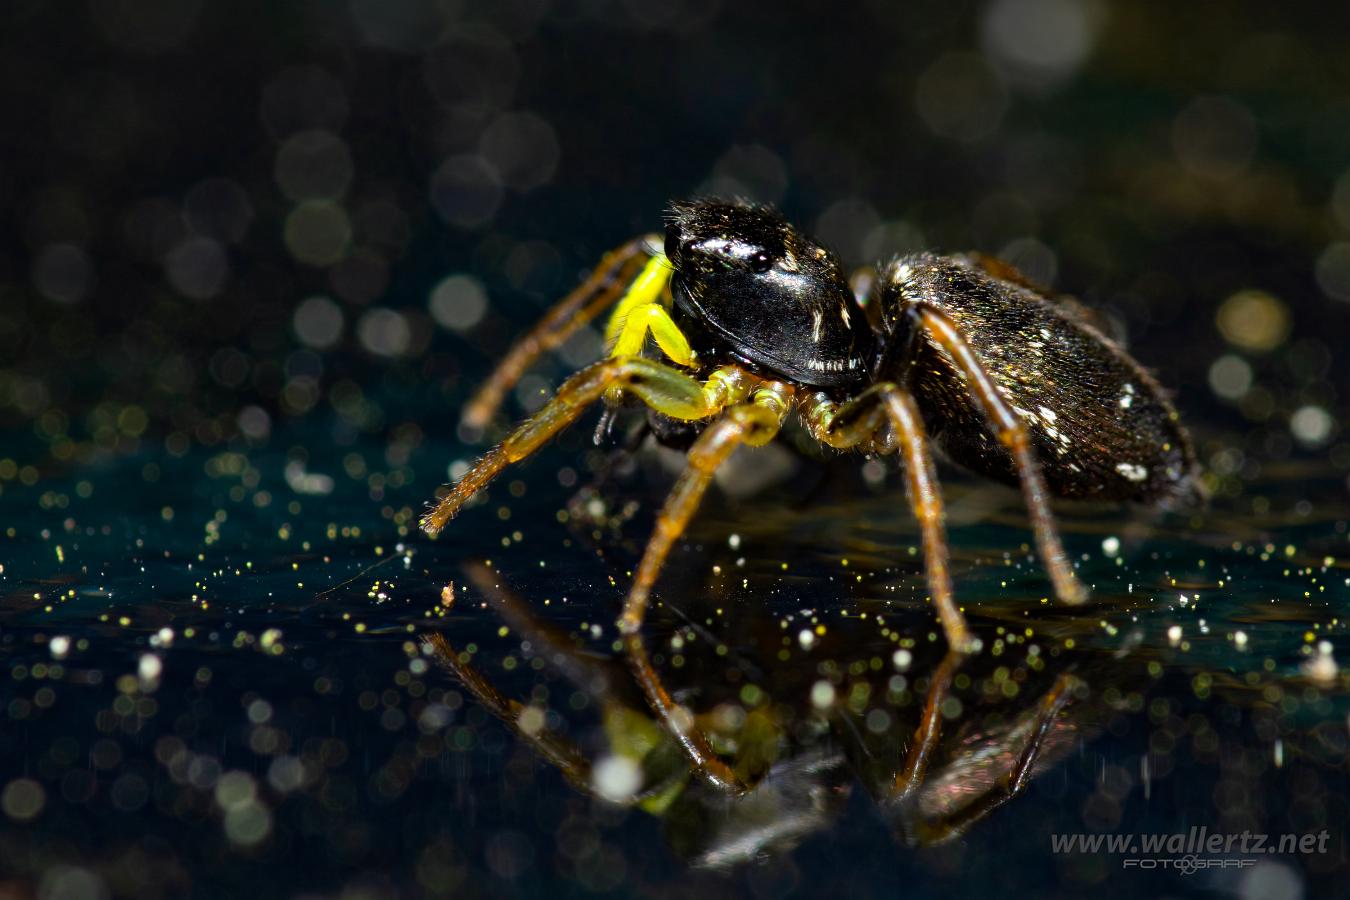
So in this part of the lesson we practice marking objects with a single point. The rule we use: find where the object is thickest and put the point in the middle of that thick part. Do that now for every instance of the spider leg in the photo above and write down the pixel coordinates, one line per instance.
(1048, 709)
(555, 749)
(601, 289)
(597, 676)
(661, 387)
(951, 824)
(1012, 432)
(929, 732)
(625, 338)
(859, 422)
(925, 496)
(754, 423)
(625, 719)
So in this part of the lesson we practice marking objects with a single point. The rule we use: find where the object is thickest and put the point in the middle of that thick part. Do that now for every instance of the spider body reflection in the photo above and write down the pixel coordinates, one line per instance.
(752, 321)
(799, 759)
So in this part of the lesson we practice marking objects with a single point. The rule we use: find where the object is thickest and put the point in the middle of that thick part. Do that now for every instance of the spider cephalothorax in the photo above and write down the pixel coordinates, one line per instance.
(753, 321)
(774, 296)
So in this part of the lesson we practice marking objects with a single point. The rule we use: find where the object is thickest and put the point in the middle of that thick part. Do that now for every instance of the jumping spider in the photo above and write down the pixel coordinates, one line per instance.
(754, 320)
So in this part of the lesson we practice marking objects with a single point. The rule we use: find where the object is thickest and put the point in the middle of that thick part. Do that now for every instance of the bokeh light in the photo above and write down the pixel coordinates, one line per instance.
(458, 302)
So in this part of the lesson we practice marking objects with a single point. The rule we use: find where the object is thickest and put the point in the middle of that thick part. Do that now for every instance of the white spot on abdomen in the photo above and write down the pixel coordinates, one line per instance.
(1132, 471)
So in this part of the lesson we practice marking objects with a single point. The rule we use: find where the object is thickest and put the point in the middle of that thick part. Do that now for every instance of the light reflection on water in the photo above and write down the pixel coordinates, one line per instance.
(219, 694)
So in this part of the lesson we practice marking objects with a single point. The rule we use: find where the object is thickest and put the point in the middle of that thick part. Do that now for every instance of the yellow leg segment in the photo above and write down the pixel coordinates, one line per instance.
(641, 312)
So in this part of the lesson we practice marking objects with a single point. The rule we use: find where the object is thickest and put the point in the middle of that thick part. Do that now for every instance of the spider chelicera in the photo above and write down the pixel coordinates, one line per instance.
(752, 321)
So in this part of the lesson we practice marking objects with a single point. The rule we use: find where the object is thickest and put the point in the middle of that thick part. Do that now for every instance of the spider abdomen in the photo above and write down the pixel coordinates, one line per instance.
(1100, 425)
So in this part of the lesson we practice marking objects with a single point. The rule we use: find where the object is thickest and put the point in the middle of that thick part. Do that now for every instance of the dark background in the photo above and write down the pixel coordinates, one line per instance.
(240, 241)
(179, 176)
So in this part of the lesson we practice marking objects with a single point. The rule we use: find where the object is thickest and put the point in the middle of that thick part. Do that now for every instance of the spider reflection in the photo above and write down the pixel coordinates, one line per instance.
(802, 755)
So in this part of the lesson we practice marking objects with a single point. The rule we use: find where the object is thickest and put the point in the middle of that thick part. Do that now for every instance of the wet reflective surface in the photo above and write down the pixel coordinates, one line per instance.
(205, 687)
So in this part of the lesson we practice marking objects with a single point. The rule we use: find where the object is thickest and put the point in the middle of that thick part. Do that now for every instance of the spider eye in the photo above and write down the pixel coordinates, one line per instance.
(761, 263)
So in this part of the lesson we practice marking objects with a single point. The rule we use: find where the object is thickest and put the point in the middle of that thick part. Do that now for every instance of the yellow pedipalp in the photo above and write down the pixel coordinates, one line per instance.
(646, 288)
(653, 319)
(642, 312)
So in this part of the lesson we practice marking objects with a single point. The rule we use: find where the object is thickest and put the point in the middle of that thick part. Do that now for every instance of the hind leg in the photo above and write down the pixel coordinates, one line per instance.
(943, 826)
(1012, 432)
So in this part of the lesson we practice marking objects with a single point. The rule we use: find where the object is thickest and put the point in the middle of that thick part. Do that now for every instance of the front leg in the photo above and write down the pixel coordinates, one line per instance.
(753, 424)
(667, 390)
(553, 747)
(604, 287)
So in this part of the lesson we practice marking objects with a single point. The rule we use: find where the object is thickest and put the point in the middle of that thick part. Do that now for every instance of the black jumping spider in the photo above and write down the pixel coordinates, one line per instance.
(754, 321)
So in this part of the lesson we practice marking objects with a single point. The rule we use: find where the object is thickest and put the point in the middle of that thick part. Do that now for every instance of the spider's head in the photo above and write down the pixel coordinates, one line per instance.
(773, 296)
